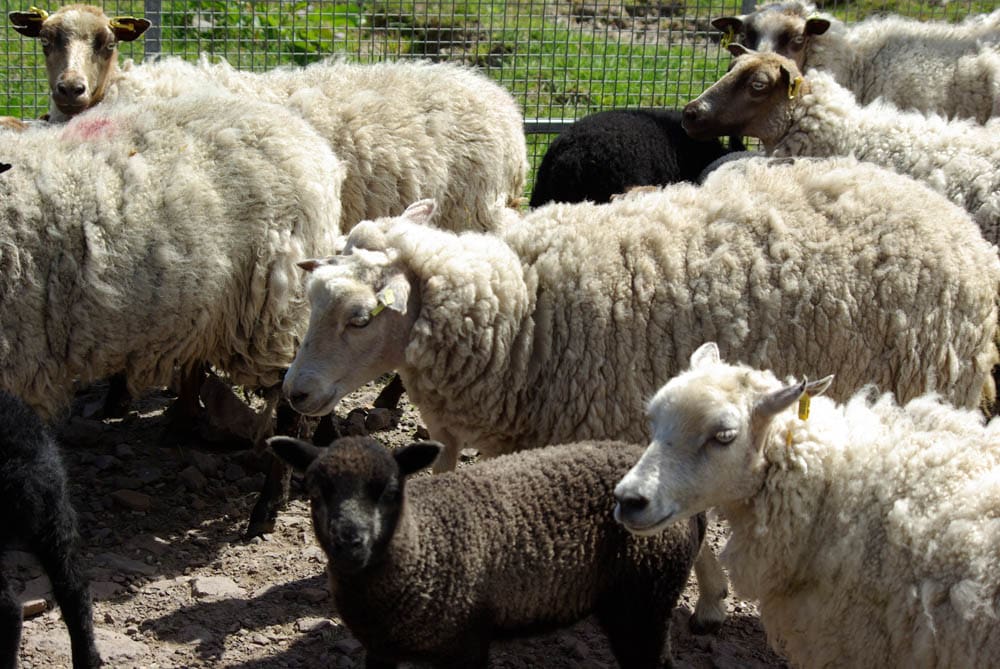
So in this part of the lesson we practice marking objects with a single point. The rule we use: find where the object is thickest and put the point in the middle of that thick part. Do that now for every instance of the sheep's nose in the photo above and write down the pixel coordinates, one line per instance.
(72, 89)
(297, 397)
(690, 113)
(632, 502)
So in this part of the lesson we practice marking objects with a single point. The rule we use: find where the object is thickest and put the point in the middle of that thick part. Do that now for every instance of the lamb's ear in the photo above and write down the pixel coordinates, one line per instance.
(4, 167)
(416, 456)
(737, 50)
(128, 28)
(777, 401)
(817, 25)
(28, 23)
(394, 294)
(707, 354)
(297, 453)
(420, 212)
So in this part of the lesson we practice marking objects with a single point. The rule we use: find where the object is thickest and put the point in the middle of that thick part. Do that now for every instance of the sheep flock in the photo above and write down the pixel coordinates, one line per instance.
(803, 340)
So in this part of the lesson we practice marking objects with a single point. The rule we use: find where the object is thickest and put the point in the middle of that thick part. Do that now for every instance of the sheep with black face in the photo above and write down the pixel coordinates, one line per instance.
(432, 569)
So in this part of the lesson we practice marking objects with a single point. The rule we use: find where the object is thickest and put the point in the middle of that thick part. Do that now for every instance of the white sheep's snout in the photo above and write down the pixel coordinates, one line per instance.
(309, 393)
(641, 506)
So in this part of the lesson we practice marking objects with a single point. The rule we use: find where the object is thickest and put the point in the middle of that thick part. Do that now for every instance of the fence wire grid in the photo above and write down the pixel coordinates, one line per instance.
(561, 59)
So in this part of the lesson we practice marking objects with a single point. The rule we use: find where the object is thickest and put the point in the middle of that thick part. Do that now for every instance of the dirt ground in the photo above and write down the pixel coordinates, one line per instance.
(174, 585)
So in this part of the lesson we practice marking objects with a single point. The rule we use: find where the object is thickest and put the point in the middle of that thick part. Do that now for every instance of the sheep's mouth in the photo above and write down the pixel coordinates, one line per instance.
(644, 529)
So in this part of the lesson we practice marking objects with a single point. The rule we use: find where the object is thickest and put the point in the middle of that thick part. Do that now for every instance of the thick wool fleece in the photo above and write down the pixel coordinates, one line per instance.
(874, 539)
(612, 151)
(959, 159)
(561, 328)
(515, 544)
(143, 236)
(404, 131)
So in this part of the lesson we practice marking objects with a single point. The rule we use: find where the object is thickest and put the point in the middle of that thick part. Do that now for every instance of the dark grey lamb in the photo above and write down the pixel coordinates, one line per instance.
(432, 569)
(609, 152)
(36, 515)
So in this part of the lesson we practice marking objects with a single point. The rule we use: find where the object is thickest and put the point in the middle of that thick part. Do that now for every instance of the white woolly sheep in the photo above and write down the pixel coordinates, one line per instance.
(80, 43)
(559, 328)
(960, 159)
(612, 151)
(449, 133)
(36, 515)
(945, 68)
(868, 531)
(433, 569)
(140, 237)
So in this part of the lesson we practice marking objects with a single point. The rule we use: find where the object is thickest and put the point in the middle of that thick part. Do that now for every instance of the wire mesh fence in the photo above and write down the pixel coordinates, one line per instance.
(561, 59)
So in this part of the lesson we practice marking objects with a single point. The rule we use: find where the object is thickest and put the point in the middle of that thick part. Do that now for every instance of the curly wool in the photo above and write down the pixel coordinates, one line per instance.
(904, 501)
(959, 159)
(448, 132)
(522, 542)
(143, 236)
(560, 329)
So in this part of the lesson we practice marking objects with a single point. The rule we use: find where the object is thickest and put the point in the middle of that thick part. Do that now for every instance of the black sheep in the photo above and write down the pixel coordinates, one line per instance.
(36, 515)
(607, 153)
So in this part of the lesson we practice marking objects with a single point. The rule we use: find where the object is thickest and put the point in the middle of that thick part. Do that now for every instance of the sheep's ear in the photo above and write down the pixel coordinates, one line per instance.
(394, 294)
(707, 354)
(4, 167)
(128, 28)
(417, 456)
(420, 212)
(737, 50)
(728, 24)
(299, 454)
(28, 23)
(777, 401)
(817, 26)
(312, 263)
(815, 388)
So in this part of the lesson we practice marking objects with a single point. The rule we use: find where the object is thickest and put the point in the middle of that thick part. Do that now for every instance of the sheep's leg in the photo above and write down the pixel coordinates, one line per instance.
(183, 414)
(10, 624)
(274, 495)
(448, 460)
(710, 610)
(61, 561)
(389, 397)
(118, 399)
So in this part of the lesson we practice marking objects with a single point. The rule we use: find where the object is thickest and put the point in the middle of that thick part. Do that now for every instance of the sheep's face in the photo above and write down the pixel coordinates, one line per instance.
(361, 313)
(80, 44)
(709, 426)
(752, 99)
(785, 28)
(355, 489)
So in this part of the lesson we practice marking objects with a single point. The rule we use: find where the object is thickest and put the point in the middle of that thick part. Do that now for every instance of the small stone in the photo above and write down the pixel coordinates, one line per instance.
(149, 475)
(205, 463)
(314, 595)
(131, 499)
(233, 472)
(124, 451)
(421, 433)
(124, 564)
(260, 640)
(82, 432)
(215, 586)
(347, 645)
(104, 462)
(193, 478)
(102, 590)
(128, 482)
(310, 625)
(33, 607)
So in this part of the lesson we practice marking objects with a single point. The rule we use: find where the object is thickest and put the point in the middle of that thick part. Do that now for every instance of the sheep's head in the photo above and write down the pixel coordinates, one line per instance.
(80, 43)
(709, 426)
(355, 489)
(363, 305)
(780, 27)
(754, 98)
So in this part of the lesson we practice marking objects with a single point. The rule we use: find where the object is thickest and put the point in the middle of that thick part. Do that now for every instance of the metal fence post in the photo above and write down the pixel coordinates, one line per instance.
(151, 40)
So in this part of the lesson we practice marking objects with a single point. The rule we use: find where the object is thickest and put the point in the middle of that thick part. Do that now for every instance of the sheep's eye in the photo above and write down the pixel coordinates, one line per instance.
(111, 45)
(758, 86)
(44, 41)
(359, 321)
(726, 436)
(797, 42)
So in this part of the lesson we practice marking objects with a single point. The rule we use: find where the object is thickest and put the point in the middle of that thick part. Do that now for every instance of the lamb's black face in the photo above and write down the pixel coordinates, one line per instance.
(356, 493)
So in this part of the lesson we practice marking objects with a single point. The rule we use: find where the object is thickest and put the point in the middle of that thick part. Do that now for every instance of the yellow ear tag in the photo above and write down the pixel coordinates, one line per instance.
(804, 407)
(40, 13)
(794, 88)
(117, 24)
(385, 300)
(727, 39)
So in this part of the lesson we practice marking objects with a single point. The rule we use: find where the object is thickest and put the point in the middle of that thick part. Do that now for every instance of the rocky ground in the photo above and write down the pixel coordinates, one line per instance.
(174, 585)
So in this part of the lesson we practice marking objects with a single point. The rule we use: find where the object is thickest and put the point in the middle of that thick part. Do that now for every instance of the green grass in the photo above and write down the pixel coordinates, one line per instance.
(556, 68)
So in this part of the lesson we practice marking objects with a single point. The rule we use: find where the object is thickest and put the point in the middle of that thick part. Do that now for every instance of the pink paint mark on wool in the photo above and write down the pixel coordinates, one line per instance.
(87, 129)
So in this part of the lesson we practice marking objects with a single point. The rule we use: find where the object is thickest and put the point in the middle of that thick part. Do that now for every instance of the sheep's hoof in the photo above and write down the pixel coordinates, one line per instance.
(256, 528)
(704, 626)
